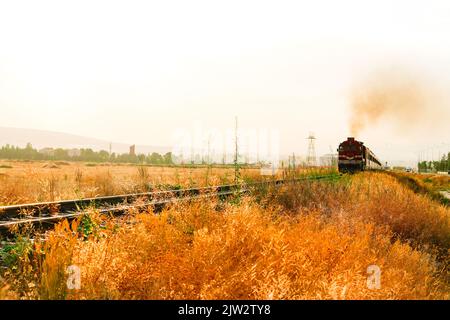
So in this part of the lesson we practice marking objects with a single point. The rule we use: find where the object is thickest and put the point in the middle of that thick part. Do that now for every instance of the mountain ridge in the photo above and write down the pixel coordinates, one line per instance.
(53, 139)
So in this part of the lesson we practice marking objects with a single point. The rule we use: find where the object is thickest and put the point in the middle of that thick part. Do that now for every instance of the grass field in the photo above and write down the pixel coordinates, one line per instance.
(28, 182)
(312, 240)
(433, 185)
(435, 181)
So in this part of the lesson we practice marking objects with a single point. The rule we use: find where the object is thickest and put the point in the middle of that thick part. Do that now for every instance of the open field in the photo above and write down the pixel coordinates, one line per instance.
(311, 240)
(435, 181)
(435, 185)
(39, 181)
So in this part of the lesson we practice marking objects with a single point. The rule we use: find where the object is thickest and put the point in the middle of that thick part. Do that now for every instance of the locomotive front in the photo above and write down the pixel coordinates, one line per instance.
(351, 155)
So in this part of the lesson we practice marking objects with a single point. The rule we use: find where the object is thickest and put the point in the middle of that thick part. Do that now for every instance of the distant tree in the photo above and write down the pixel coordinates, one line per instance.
(103, 156)
(29, 152)
(155, 158)
(89, 155)
(447, 168)
(141, 158)
(61, 154)
(168, 158)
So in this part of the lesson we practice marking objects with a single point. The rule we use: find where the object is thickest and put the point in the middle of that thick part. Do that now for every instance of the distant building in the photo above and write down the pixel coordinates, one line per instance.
(47, 152)
(133, 150)
(74, 153)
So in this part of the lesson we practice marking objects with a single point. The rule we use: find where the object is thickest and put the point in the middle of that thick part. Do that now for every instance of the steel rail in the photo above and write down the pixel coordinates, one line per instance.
(44, 214)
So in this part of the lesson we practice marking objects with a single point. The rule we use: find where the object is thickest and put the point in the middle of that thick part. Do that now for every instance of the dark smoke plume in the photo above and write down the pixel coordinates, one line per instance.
(396, 96)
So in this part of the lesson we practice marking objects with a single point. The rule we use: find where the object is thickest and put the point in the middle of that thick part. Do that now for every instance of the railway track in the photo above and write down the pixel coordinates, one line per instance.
(43, 215)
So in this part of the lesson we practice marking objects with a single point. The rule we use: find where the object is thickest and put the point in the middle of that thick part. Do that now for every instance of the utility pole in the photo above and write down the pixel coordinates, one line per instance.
(311, 159)
(293, 161)
(209, 150)
(236, 153)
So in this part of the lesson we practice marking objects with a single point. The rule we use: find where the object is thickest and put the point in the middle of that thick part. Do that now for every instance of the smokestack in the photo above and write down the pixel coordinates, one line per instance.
(133, 150)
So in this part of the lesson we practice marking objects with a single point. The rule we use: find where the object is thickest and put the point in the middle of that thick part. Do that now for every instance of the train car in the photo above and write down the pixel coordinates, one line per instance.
(355, 156)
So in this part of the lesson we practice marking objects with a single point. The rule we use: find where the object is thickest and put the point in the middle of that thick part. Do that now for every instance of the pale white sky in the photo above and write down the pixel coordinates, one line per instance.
(134, 71)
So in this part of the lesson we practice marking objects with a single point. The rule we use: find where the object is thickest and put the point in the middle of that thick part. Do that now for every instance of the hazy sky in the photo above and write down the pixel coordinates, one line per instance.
(135, 71)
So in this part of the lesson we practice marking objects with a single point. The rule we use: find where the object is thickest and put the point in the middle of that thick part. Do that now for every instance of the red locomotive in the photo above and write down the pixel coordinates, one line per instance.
(355, 156)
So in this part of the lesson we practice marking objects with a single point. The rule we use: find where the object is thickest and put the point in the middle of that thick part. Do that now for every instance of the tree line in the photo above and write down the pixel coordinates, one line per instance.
(440, 165)
(85, 155)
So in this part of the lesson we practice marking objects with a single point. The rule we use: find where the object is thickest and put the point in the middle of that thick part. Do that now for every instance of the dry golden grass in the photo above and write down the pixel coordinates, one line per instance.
(28, 182)
(308, 241)
(427, 181)
(34, 181)
(435, 181)
(6, 294)
(380, 199)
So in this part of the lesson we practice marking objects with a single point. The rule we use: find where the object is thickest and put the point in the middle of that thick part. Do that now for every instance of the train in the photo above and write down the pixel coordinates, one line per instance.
(354, 156)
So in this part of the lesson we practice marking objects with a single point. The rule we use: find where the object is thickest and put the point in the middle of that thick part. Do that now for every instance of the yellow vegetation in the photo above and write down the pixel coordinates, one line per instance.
(313, 240)
(28, 182)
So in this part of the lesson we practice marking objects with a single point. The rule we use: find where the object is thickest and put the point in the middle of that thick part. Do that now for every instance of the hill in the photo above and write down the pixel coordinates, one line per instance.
(51, 139)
